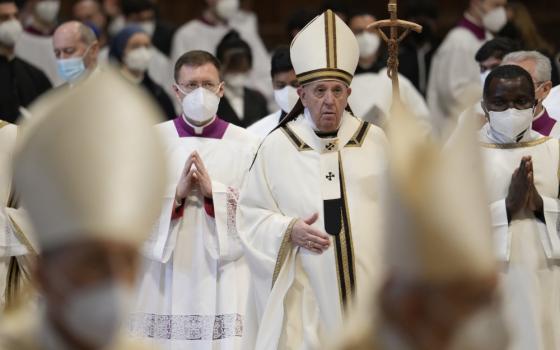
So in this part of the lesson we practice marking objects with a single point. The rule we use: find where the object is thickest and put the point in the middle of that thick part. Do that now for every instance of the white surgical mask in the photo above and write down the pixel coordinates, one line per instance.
(200, 105)
(95, 315)
(138, 59)
(10, 32)
(236, 81)
(483, 76)
(484, 330)
(47, 11)
(495, 20)
(149, 27)
(286, 98)
(368, 43)
(226, 9)
(509, 124)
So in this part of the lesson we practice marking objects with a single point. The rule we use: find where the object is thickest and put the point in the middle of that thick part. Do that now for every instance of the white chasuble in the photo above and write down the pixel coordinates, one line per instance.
(528, 247)
(193, 289)
(297, 297)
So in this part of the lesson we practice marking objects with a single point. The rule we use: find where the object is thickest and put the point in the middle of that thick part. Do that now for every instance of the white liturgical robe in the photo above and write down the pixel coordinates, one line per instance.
(455, 75)
(38, 50)
(528, 247)
(372, 98)
(296, 296)
(193, 289)
(552, 102)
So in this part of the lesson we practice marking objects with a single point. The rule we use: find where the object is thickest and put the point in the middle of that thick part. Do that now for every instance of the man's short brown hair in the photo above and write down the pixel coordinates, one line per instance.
(196, 58)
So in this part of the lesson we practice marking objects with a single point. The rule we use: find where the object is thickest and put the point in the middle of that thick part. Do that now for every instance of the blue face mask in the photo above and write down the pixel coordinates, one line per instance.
(70, 69)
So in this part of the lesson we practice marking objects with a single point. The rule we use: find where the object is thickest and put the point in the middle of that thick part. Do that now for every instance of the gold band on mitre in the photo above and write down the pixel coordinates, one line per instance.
(325, 74)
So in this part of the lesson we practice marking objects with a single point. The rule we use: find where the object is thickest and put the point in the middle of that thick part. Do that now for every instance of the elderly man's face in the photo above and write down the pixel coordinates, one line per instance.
(67, 43)
(542, 88)
(326, 101)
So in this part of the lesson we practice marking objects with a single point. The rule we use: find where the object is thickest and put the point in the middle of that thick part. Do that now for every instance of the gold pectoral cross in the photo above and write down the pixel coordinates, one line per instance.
(399, 29)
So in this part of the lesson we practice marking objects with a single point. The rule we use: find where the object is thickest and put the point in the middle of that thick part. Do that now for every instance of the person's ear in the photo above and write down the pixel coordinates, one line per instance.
(220, 92)
(177, 92)
(485, 110)
(302, 94)
(546, 87)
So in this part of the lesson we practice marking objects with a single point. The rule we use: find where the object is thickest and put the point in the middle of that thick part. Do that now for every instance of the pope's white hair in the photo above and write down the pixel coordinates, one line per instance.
(543, 67)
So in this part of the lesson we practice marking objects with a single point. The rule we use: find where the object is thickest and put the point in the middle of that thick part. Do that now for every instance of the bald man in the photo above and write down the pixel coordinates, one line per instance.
(76, 49)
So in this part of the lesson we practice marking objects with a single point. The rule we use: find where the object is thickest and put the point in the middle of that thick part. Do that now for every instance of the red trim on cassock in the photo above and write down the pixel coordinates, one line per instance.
(209, 206)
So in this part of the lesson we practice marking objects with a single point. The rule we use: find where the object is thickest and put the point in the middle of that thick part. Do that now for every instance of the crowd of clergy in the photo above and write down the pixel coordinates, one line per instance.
(186, 188)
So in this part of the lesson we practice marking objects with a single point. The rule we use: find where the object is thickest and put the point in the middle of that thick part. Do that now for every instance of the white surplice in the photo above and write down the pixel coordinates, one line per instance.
(296, 296)
(264, 126)
(454, 76)
(552, 102)
(373, 92)
(528, 247)
(38, 50)
(193, 287)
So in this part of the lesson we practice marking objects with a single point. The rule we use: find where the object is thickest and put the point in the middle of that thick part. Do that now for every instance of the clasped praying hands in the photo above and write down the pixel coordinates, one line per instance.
(522, 193)
(193, 177)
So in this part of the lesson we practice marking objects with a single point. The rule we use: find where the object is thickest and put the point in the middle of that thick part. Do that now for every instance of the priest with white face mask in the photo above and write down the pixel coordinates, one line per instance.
(193, 289)
(454, 73)
(285, 84)
(522, 185)
(132, 50)
(308, 213)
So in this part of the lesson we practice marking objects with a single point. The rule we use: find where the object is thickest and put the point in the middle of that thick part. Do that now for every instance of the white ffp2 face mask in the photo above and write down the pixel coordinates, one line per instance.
(200, 105)
(495, 20)
(138, 59)
(10, 32)
(95, 315)
(368, 43)
(226, 9)
(286, 98)
(510, 123)
(47, 11)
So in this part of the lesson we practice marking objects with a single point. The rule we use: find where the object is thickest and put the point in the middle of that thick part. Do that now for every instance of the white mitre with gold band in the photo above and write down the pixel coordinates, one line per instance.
(326, 49)
(90, 165)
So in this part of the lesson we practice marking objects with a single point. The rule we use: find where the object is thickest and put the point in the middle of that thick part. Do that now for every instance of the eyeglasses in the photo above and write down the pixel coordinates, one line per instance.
(190, 86)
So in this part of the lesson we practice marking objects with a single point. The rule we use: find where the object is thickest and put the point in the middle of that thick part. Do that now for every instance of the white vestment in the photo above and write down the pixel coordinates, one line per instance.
(298, 297)
(552, 102)
(265, 125)
(528, 247)
(454, 76)
(372, 98)
(192, 292)
(198, 35)
(39, 51)
(13, 222)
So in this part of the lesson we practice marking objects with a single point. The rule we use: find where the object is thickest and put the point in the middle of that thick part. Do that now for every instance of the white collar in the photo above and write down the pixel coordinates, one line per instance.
(198, 129)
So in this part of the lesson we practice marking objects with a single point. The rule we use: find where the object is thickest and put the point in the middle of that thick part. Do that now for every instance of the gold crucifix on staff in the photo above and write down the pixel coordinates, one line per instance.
(393, 41)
